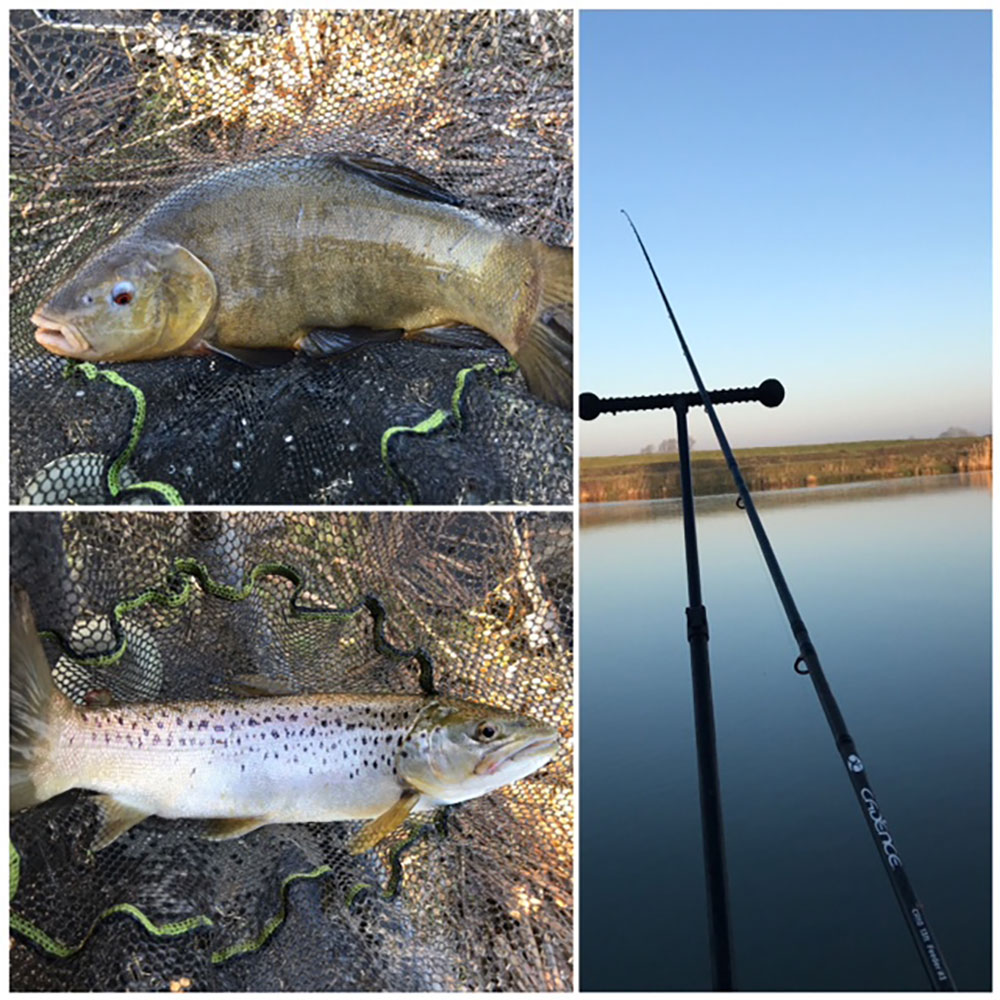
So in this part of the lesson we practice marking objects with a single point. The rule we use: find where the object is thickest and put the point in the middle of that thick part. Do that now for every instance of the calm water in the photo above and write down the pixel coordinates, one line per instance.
(893, 582)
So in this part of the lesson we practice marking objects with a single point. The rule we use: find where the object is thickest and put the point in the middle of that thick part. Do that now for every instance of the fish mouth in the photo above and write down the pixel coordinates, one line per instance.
(59, 338)
(541, 746)
(536, 748)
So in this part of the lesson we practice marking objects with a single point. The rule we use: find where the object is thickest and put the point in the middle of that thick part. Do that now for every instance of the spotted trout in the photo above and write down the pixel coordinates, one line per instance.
(246, 763)
(320, 253)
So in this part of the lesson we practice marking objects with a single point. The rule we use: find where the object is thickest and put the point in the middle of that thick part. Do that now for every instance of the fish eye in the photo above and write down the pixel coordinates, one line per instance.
(123, 293)
(485, 731)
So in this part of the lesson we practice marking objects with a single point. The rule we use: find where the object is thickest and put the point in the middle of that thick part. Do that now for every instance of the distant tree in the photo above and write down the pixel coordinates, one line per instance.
(669, 446)
(647, 449)
(956, 432)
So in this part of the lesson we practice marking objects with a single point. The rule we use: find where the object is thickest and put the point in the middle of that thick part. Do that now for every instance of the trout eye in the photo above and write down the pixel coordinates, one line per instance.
(123, 293)
(485, 732)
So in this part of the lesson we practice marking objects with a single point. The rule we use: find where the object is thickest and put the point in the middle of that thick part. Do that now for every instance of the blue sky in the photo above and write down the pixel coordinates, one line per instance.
(814, 189)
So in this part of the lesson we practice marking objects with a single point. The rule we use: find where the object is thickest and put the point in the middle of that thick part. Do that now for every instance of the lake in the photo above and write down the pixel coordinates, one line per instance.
(893, 582)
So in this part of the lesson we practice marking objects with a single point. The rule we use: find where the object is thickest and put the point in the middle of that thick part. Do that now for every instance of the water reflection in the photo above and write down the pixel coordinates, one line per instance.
(893, 580)
(594, 514)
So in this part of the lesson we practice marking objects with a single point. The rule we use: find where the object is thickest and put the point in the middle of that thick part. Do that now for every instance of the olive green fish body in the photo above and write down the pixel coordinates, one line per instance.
(260, 255)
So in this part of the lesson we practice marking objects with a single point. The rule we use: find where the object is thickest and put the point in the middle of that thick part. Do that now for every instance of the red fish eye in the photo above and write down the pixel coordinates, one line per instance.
(123, 293)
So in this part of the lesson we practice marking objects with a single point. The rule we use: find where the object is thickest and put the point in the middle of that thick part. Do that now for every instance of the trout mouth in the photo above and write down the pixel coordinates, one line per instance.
(541, 746)
(59, 338)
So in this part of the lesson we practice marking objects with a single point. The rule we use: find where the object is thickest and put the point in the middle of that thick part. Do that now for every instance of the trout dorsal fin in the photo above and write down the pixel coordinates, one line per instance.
(401, 180)
(376, 830)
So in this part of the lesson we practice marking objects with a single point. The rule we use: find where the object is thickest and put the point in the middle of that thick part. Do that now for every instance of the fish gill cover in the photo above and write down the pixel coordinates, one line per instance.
(111, 111)
(157, 607)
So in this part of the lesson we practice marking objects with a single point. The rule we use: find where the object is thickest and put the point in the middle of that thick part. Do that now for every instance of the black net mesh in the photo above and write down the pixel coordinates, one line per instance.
(111, 110)
(481, 900)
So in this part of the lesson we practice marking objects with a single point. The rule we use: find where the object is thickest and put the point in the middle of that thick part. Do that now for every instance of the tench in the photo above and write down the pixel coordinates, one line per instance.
(246, 763)
(320, 253)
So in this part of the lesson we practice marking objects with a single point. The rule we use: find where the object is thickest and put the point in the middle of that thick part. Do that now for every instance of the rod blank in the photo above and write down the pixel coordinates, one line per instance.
(930, 953)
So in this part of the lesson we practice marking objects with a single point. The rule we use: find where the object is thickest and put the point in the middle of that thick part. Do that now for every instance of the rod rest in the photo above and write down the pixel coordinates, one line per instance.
(770, 392)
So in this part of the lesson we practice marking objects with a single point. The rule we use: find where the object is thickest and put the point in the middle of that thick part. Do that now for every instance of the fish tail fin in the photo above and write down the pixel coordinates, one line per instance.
(35, 707)
(545, 353)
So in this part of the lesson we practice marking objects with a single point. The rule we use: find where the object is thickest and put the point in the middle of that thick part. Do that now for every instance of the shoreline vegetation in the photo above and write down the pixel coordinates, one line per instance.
(610, 478)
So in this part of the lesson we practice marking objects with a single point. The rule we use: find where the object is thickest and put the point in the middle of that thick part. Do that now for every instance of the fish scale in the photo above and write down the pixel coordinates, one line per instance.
(243, 758)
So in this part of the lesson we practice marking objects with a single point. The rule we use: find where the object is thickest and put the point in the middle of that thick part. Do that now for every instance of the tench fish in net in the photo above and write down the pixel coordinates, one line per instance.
(322, 253)
(274, 123)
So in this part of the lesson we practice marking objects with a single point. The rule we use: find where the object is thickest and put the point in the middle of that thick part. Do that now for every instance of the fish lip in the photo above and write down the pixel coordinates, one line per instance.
(59, 338)
(536, 748)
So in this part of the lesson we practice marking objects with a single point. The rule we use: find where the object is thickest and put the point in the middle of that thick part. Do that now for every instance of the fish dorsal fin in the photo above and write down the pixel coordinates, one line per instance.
(258, 686)
(230, 829)
(116, 818)
(376, 830)
(401, 180)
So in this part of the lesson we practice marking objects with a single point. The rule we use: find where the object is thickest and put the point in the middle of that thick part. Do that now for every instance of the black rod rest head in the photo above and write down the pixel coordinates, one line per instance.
(590, 406)
(770, 392)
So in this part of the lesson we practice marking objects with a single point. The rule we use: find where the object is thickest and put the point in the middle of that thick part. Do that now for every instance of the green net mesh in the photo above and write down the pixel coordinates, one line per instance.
(478, 899)
(111, 110)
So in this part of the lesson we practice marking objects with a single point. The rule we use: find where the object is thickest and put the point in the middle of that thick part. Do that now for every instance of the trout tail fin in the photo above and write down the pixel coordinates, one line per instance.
(545, 353)
(34, 704)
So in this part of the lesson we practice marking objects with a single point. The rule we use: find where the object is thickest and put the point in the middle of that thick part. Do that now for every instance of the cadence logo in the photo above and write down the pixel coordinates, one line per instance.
(854, 763)
(881, 828)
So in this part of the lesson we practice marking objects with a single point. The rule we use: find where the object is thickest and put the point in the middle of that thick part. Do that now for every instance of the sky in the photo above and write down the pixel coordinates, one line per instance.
(814, 189)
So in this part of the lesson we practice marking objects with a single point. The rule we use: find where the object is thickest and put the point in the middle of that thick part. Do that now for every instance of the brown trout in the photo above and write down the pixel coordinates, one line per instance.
(247, 763)
(319, 253)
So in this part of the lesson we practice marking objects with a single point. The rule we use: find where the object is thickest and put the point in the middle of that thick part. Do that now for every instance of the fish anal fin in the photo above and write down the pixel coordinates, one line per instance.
(454, 336)
(399, 179)
(376, 830)
(230, 829)
(326, 343)
(116, 818)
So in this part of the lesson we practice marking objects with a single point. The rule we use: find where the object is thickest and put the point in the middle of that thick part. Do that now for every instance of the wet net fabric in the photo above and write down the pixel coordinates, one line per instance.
(478, 899)
(112, 110)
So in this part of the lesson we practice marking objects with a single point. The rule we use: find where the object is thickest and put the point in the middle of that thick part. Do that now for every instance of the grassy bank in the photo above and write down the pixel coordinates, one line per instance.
(655, 477)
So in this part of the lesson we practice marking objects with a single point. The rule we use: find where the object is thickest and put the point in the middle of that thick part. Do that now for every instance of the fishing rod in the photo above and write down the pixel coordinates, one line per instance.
(808, 663)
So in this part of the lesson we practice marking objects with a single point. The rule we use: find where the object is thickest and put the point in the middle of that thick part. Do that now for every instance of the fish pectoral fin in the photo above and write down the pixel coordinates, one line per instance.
(325, 343)
(116, 818)
(401, 180)
(454, 336)
(376, 830)
(230, 829)
(254, 357)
